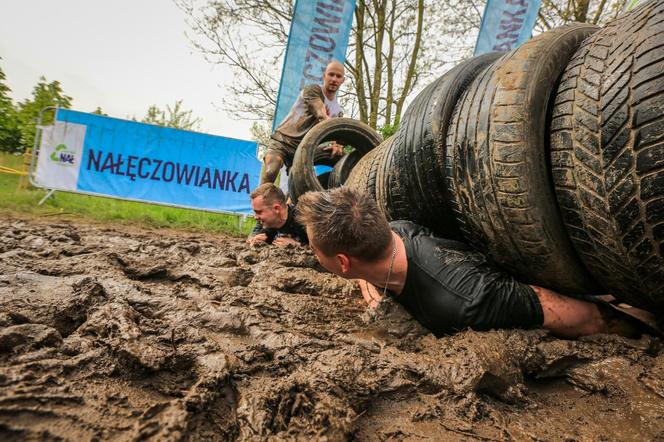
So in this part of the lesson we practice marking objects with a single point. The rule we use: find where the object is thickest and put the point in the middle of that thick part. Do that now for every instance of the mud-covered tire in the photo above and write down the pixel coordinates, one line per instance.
(389, 188)
(344, 131)
(342, 169)
(363, 175)
(359, 176)
(498, 164)
(372, 179)
(607, 155)
(419, 149)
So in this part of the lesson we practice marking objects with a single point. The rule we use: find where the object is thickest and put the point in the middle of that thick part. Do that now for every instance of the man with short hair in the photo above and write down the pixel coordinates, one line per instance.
(315, 103)
(275, 218)
(446, 286)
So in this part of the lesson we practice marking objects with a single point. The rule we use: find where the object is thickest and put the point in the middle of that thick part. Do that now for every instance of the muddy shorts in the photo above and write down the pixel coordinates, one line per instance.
(283, 150)
(286, 152)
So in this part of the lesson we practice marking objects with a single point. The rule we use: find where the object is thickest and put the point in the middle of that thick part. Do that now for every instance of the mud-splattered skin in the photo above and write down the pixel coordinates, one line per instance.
(126, 334)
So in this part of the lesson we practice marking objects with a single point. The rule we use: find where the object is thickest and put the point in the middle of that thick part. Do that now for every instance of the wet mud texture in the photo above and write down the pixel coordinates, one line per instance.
(128, 334)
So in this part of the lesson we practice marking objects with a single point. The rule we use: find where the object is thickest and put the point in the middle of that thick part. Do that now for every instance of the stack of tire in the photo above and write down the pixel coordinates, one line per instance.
(549, 158)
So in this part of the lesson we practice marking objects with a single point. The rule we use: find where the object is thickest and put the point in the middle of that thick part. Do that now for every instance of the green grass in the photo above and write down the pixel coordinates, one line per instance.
(24, 201)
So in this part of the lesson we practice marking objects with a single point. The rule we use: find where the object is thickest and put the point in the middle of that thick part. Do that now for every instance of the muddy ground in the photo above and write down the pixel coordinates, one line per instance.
(121, 333)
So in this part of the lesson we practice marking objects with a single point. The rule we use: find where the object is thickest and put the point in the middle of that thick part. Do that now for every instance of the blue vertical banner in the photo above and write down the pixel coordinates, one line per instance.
(319, 33)
(506, 24)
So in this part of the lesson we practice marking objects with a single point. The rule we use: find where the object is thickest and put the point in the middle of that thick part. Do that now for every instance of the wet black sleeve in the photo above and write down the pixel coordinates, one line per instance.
(294, 229)
(258, 228)
(449, 287)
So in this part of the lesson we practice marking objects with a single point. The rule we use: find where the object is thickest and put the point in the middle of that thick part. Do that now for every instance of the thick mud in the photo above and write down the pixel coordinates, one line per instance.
(136, 334)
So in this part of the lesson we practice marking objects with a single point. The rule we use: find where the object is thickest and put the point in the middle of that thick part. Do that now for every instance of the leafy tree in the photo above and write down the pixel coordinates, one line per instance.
(174, 116)
(388, 130)
(392, 51)
(10, 135)
(99, 111)
(395, 48)
(44, 94)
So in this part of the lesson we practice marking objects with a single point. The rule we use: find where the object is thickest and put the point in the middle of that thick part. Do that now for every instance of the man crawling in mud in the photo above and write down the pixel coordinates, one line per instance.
(275, 218)
(442, 283)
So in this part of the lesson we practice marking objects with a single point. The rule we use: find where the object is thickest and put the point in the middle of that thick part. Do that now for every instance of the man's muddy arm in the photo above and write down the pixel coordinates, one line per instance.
(313, 99)
(569, 317)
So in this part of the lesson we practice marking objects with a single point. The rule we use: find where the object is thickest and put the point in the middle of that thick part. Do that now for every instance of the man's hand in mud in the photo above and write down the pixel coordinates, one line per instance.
(336, 150)
(283, 241)
(370, 293)
(261, 237)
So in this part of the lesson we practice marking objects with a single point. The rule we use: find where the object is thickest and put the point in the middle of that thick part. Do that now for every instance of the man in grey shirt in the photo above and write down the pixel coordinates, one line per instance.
(314, 104)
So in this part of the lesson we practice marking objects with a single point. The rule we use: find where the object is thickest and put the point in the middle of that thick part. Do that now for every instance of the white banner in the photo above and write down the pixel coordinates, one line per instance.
(60, 156)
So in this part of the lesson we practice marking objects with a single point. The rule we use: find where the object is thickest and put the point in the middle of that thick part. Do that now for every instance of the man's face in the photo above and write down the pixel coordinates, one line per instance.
(269, 215)
(333, 77)
(329, 263)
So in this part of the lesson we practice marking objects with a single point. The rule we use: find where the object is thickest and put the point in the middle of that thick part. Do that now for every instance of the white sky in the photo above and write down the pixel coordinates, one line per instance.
(122, 55)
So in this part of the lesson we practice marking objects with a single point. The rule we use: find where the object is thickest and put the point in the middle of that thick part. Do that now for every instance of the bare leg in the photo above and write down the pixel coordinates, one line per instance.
(271, 168)
(571, 318)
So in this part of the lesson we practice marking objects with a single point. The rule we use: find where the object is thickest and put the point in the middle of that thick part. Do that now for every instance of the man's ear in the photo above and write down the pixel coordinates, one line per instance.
(344, 262)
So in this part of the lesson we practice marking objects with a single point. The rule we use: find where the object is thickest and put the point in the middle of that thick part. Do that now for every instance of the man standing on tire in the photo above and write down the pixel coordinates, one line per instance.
(441, 283)
(314, 104)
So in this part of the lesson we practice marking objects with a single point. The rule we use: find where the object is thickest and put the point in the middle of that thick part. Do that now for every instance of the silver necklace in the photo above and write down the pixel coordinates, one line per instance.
(389, 271)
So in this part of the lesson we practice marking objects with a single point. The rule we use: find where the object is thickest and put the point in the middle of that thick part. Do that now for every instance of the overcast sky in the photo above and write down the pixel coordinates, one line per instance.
(122, 55)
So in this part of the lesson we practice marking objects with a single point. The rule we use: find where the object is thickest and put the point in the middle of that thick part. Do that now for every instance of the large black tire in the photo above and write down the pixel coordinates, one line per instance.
(607, 154)
(363, 175)
(498, 164)
(344, 131)
(342, 169)
(419, 149)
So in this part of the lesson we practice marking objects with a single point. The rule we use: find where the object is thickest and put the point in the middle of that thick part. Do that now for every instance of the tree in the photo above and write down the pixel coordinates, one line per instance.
(392, 52)
(172, 117)
(554, 13)
(10, 135)
(44, 94)
(99, 111)
(395, 47)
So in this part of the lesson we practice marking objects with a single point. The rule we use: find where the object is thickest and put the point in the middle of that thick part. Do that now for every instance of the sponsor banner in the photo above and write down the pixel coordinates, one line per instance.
(135, 161)
(59, 161)
(506, 24)
(319, 33)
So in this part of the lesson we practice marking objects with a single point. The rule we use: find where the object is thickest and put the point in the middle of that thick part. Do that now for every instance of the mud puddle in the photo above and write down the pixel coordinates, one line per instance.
(137, 334)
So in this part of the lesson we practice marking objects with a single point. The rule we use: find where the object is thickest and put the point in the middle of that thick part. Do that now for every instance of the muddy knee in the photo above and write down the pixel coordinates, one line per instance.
(272, 166)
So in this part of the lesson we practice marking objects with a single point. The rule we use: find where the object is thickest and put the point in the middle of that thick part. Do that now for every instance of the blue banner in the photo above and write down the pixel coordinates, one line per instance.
(319, 34)
(143, 162)
(506, 24)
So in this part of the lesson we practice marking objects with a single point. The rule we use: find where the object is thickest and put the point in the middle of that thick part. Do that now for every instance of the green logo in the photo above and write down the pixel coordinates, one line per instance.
(62, 156)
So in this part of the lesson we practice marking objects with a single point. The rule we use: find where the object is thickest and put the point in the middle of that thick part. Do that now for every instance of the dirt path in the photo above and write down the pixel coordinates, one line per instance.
(125, 334)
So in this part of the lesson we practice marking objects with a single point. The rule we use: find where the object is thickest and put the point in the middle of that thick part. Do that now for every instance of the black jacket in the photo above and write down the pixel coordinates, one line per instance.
(450, 287)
